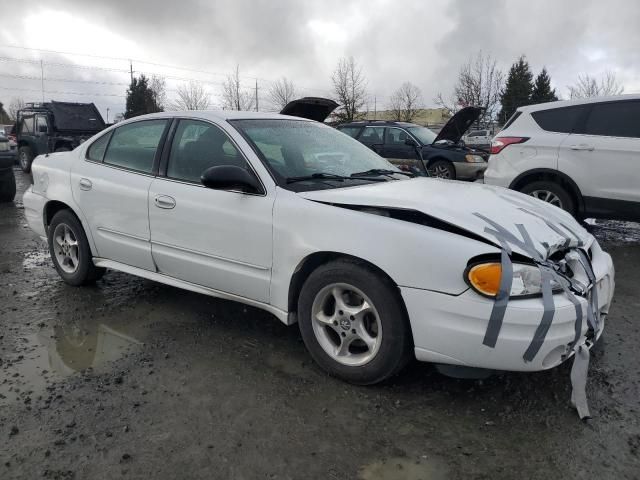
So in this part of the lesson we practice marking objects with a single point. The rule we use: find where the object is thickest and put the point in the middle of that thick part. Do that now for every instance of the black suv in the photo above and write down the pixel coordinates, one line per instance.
(418, 149)
(54, 127)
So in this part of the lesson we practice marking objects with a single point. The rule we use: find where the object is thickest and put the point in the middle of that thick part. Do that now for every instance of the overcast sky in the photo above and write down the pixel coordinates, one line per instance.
(393, 40)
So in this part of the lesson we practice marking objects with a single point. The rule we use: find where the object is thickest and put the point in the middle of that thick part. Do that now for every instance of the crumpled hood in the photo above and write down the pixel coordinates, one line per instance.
(472, 207)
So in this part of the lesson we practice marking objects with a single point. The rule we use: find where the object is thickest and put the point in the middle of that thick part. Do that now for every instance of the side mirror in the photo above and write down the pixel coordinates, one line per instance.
(411, 142)
(229, 177)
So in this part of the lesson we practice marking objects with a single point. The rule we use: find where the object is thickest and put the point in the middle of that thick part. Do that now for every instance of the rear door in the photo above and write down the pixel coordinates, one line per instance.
(603, 158)
(372, 137)
(111, 186)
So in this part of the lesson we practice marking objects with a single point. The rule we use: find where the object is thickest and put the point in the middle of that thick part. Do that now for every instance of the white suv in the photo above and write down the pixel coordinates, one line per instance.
(580, 155)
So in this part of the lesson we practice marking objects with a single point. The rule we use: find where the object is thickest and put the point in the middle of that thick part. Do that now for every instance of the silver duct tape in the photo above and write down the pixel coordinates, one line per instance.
(593, 316)
(502, 298)
(547, 317)
(567, 238)
(579, 381)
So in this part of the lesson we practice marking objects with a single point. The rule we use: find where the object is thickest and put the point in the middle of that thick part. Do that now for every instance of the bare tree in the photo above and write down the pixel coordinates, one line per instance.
(234, 97)
(479, 84)
(588, 86)
(17, 103)
(350, 89)
(158, 86)
(282, 92)
(405, 102)
(192, 96)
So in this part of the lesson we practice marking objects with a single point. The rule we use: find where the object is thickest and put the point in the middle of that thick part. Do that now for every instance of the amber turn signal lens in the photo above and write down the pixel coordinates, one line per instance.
(485, 278)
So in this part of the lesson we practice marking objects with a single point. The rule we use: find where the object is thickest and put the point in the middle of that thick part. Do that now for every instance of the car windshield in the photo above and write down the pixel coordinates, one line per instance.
(423, 134)
(296, 149)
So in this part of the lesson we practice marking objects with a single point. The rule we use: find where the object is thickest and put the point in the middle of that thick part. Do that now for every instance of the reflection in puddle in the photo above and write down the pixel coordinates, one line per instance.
(72, 346)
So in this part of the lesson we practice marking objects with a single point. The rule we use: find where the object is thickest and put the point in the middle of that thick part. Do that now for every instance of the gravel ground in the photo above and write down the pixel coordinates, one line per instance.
(136, 379)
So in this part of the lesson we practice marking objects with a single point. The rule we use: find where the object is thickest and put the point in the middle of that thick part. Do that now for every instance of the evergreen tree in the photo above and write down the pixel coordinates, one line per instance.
(141, 98)
(4, 116)
(517, 91)
(542, 91)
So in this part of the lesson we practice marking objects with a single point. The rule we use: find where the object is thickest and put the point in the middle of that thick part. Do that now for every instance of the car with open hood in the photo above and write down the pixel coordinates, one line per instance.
(292, 216)
(420, 149)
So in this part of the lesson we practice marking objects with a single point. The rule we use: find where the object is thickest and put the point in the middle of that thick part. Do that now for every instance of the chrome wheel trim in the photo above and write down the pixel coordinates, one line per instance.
(547, 196)
(23, 160)
(346, 324)
(65, 248)
(440, 171)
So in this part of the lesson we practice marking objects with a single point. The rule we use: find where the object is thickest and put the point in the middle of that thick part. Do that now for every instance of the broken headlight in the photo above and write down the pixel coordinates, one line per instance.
(526, 280)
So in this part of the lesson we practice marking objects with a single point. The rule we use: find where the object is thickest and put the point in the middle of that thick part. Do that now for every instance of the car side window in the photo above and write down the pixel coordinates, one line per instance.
(198, 146)
(395, 137)
(97, 148)
(616, 119)
(27, 125)
(561, 120)
(351, 131)
(41, 124)
(371, 135)
(134, 145)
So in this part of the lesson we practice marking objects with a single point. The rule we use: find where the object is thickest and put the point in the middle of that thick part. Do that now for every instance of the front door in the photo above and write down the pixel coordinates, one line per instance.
(215, 238)
(395, 148)
(111, 187)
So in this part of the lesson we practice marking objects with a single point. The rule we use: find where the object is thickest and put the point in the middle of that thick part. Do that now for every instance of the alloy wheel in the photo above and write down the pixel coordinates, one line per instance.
(346, 324)
(547, 196)
(440, 171)
(65, 248)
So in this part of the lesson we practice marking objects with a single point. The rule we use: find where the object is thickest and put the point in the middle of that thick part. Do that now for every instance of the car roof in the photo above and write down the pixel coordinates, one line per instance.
(216, 115)
(581, 101)
(377, 123)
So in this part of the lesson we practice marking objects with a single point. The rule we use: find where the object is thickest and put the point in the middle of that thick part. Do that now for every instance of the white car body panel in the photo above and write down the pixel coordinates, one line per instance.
(248, 247)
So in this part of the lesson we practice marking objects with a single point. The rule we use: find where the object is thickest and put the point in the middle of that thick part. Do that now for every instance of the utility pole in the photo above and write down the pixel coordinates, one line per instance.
(375, 107)
(42, 79)
(131, 70)
(107, 114)
(256, 94)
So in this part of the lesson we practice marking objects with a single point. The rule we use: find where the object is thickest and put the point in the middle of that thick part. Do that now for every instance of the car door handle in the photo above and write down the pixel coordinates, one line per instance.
(85, 184)
(582, 146)
(165, 201)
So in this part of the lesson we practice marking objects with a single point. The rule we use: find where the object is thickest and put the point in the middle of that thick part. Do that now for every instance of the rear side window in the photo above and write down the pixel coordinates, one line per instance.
(97, 148)
(561, 120)
(351, 131)
(372, 135)
(27, 125)
(616, 119)
(134, 145)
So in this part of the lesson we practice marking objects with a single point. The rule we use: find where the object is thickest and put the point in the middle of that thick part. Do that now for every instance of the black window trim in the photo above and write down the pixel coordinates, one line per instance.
(156, 157)
(166, 153)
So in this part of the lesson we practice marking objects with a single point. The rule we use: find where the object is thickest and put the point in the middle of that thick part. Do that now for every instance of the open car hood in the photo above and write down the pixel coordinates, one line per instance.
(470, 208)
(457, 125)
(313, 108)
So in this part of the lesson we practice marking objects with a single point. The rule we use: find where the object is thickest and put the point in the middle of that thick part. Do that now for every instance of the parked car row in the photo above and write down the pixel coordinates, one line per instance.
(297, 218)
(582, 156)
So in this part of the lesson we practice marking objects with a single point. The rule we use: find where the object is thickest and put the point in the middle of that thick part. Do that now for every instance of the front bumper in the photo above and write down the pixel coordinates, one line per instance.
(470, 171)
(450, 329)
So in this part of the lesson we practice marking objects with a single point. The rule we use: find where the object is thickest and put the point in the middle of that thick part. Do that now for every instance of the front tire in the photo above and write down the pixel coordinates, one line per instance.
(7, 186)
(353, 322)
(25, 158)
(442, 169)
(70, 250)
(552, 193)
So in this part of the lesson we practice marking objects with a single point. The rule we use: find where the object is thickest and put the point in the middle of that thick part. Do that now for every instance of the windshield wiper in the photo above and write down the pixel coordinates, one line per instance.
(382, 171)
(330, 176)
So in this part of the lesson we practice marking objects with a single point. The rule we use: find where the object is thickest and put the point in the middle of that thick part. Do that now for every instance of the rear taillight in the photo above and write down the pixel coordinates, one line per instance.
(501, 143)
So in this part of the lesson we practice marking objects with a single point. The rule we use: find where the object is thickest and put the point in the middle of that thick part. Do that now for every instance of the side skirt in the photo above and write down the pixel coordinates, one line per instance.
(174, 282)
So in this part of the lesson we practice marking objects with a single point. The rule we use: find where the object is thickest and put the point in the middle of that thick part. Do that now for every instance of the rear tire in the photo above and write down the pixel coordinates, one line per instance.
(70, 250)
(7, 185)
(442, 169)
(25, 158)
(353, 322)
(550, 192)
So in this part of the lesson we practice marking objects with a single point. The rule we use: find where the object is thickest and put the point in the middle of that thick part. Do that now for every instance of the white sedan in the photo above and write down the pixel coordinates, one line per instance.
(294, 217)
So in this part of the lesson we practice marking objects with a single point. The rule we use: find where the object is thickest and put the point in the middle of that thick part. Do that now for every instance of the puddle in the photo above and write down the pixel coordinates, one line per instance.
(57, 352)
(404, 469)
(37, 259)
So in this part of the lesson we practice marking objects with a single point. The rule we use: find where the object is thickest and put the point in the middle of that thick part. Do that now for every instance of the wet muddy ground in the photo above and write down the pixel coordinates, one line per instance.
(139, 380)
